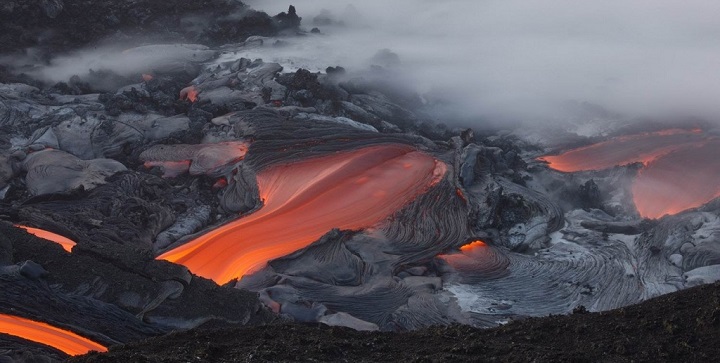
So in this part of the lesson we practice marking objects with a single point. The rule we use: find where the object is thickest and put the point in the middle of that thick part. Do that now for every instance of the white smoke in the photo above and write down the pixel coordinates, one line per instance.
(533, 60)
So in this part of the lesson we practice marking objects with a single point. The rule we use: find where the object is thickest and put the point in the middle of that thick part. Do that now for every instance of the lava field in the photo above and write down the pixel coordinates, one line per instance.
(176, 196)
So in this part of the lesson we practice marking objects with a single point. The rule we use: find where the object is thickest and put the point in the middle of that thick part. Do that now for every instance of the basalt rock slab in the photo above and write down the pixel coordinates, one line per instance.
(54, 171)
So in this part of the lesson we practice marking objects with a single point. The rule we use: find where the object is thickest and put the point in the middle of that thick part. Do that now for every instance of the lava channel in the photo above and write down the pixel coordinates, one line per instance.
(65, 242)
(680, 170)
(306, 199)
(60, 339)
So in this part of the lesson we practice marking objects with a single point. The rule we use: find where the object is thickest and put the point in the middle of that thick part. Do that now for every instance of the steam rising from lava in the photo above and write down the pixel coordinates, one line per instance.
(533, 61)
(60, 339)
(305, 200)
(680, 168)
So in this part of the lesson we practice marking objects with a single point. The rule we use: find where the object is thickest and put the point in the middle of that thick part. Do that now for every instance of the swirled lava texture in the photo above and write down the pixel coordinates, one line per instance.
(306, 199)
(65, 242)
(680, 170)
(60, 339)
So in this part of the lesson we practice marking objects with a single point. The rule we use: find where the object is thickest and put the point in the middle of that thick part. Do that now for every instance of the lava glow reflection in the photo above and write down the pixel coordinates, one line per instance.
(304, 200)
(681, 169)
(63, 340)
(65, 242)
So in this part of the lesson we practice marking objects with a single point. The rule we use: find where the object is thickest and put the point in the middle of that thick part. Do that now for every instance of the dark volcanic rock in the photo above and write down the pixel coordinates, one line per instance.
(674, 328)
(64, 24)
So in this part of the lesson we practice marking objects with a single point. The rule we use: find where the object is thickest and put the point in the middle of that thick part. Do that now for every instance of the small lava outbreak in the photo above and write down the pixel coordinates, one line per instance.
(189, 93)
(65, 242)
(680, 167)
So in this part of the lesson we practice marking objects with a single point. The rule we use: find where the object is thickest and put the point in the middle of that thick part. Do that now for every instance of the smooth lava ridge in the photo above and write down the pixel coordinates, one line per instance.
(306, 199)
(65, 242)
(60, 339)
(680, 170)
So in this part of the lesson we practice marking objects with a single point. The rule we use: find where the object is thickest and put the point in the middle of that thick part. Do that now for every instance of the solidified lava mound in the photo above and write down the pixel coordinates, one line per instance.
(682, 327)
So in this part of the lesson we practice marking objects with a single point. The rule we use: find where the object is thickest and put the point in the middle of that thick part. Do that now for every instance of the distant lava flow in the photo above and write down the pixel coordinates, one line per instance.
(680, 171)
(684, 179)
(65, 242)
(624, 150)
(63, 340)
(306, 199)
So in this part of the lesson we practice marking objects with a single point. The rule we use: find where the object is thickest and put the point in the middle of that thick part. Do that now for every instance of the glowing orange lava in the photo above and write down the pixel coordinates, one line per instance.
(147, 77)
(63, 340)
(478, 259)
(624, 150)
(681, 168)
(189, 93)
(473, 246)
(467, 257)
(304, 200)
(65, 242)
(684, 179)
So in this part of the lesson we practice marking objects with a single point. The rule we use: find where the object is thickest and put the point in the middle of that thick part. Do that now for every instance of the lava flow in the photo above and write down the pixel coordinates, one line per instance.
(60, 339)
(306, 199)
(680, 170)
(684, 179)
(624, 150)
(65, 242)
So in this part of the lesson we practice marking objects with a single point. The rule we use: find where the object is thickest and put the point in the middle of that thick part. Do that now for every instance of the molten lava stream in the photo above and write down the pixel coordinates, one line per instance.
(304, 200)
(63, 340)
(65, 242)
(624, 150)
